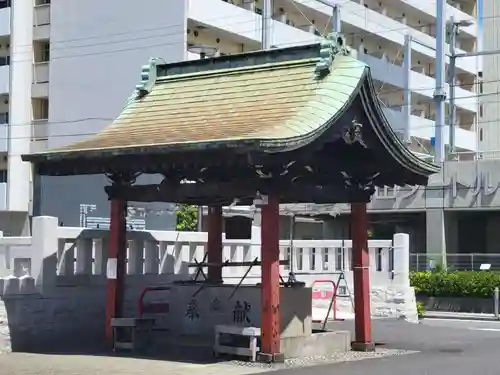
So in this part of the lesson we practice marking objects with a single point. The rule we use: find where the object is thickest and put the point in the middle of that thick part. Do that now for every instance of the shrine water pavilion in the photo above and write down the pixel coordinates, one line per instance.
(292, 125)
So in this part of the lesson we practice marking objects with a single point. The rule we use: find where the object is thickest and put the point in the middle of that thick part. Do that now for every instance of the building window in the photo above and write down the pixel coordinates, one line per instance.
(4, 4)
(480, 134)
(3, 176)
(481, 110)
(42, 51)
(4, 60)
(42, 2)
(40, 109)
(4, 117)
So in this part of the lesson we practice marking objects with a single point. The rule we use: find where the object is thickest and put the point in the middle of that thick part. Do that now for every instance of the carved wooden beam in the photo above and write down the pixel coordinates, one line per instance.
(225, 193)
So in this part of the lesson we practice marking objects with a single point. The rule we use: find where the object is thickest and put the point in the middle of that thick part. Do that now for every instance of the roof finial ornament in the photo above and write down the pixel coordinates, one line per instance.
(334, 44)
(148, 76)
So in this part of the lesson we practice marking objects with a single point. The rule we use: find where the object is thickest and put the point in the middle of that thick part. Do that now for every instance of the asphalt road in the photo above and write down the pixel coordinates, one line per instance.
(445, 347)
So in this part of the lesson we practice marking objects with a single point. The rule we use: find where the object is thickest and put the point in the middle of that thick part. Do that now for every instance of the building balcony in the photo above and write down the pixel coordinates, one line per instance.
(40, 87)
(40, 130)
(423, 128)
(244, 23)
(41, 72)
(362, 18)
(4, 135)
(3, 196)
(383, 71)
(41, 22)
(39, 135)
(5, 21)
(4, 79)
(429, 7)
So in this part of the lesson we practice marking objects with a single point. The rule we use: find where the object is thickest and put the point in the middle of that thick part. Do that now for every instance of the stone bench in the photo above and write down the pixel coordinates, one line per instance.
(253, 333)
(131, 333)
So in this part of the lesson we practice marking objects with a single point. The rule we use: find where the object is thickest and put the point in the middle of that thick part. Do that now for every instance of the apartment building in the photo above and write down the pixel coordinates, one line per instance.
(68, 76)
(489, 119)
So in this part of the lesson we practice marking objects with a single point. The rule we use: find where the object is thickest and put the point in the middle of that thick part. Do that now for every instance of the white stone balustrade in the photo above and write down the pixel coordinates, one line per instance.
(61, 252)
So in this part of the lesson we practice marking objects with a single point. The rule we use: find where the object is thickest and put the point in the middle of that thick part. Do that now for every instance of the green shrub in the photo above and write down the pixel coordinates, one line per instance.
(420, 309)
(456, 283)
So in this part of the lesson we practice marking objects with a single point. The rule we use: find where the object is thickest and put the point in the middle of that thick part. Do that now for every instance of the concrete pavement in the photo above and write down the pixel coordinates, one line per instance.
(439, 347)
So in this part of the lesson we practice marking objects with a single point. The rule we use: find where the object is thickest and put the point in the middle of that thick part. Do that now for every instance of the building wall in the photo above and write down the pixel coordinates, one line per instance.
(489, 120)
(97, 50)
(21, 72)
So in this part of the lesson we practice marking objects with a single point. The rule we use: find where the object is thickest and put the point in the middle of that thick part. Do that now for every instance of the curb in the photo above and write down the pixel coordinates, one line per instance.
(461, 317)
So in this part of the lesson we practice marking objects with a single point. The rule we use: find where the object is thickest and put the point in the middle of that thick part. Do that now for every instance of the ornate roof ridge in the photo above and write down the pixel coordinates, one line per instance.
(334, 44)
(149, 74)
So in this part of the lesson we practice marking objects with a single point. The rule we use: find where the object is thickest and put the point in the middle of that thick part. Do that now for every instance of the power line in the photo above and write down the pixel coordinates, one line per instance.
(428, 101)
(163, 44)
(87, 134)
(404, 28)
(168, 34)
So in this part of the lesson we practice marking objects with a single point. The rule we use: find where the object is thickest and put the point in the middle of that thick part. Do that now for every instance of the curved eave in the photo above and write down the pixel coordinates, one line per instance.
(387, 136)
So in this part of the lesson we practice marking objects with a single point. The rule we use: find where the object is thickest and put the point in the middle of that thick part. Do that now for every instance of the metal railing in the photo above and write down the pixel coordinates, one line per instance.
(456, 261)
(475, 155)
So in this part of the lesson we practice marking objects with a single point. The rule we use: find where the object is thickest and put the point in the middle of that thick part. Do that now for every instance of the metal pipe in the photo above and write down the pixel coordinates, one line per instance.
(407, 91)
(496, 302)
(199, 222)
(416, 41)
(292, 234)
(336, 20)
(440, 93)
(327, 3)
(267, 19)
(478, 53)
(452, 115)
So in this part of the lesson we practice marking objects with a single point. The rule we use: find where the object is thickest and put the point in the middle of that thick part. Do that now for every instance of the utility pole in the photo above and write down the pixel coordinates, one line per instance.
(407, 91)
(440, 93)
(453, 29)
(336, 20)
(452, 109)
(267, 23)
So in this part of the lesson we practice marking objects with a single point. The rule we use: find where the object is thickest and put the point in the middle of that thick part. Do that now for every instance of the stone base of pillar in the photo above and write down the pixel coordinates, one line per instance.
(363, 346)
(271, 358)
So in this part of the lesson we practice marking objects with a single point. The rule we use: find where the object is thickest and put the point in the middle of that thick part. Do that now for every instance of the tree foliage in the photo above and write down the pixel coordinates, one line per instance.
(187, 218)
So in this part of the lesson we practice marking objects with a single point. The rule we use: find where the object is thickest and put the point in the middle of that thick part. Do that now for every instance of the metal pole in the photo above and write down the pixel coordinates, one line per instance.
(291, 274)
(267, 19)
(452, 116)
(292, 234)
(336, 20)
(407, 91)
(199, 223)
(496, 302)
(440, 93)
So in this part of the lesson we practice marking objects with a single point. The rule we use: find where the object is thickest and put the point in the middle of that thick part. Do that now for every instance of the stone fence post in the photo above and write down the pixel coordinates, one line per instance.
(401, 245)
(44, 250)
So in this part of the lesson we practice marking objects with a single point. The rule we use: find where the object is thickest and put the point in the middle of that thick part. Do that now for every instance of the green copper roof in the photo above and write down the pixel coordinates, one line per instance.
(271, 102)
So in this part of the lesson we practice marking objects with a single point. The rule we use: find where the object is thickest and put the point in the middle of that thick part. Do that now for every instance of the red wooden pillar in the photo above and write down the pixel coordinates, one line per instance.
(270, 293)
(116, 258)
(361, 265)
(214, 244)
